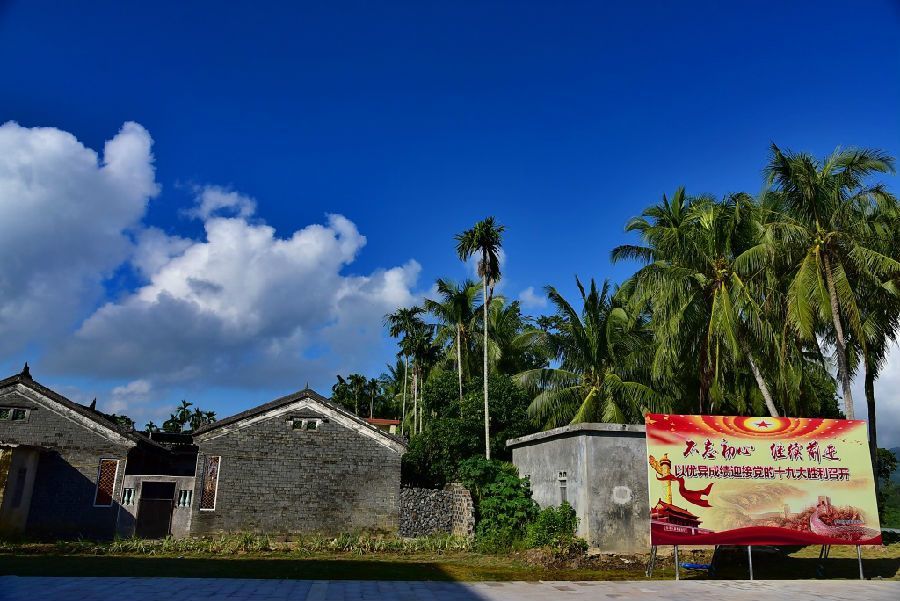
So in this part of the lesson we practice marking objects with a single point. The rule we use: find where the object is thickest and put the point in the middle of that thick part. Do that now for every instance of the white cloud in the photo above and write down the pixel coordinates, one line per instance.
(243, 307)
(887, 400)
(155, 248)
(531, 300)
(239, 307)
(64, 217)
(214, 200)
(123, 398)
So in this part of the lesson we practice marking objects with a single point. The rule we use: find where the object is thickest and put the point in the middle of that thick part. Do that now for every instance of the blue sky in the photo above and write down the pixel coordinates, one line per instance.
(411, 120)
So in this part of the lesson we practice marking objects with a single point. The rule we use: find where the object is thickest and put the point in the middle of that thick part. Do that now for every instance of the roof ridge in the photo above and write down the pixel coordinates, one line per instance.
(290, 398)
(24, 378)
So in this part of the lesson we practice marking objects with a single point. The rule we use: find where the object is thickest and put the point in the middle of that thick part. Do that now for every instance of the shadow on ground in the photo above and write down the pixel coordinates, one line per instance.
(778, 566)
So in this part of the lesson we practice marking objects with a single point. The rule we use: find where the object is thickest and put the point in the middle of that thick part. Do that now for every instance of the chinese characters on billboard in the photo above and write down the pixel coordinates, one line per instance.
(760, 481)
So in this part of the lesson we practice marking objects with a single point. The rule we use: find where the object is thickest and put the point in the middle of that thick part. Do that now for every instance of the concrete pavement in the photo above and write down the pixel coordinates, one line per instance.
(13, 588)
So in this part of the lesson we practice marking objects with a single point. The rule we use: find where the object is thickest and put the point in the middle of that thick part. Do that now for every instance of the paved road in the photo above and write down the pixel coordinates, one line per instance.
(14, 588)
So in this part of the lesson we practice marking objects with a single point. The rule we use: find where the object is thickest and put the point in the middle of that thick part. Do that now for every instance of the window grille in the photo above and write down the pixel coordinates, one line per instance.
(563, 487)
(185, 496)
(15, 414)
(128, 496)
(307, 424)
(106, 482)
(210, 484)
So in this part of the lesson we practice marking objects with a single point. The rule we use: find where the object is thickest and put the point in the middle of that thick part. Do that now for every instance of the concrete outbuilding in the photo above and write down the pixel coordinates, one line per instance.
(600, 470)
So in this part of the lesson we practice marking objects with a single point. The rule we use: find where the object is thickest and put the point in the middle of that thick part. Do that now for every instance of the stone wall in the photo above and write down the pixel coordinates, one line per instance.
(425, 511)
(277, 479)
(64, 487)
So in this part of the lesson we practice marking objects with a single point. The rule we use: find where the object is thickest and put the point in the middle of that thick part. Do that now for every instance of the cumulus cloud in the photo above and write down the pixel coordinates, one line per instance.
(532, 300)
(240, 306)
(133, 393)
(243, 307)
(65, 214)
(212, 200)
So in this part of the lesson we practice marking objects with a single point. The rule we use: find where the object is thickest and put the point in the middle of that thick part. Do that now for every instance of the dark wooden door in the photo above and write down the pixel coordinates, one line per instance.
(154, 518)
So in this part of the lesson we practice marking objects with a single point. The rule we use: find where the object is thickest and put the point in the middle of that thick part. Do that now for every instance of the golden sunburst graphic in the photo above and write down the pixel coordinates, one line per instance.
(753, 427)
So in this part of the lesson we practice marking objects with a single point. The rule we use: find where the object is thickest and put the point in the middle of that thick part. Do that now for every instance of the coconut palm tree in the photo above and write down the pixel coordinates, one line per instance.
(400, 323)
(698, 282)
(456, 311)
(593, 381)
(419, 345)
(484, 239)
(358, 384)
(828, 203)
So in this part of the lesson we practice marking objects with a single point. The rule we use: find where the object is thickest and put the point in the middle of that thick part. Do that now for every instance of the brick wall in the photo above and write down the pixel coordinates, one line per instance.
(276, 479)
(62, 502)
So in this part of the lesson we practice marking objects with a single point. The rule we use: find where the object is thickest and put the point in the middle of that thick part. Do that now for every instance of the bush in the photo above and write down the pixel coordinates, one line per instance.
(552, 526)
(503, 503)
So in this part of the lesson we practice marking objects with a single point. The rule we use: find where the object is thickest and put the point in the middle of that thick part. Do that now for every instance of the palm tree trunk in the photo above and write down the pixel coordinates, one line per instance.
(487, 415)
(405, 378)
(870, 405)
(703, 376)
(415, 385)
(422, 405)
(840, 343)
(760, 381)
(459, 362)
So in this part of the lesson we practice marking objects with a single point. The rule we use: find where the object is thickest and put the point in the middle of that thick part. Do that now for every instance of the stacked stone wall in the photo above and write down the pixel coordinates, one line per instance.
(425, 511)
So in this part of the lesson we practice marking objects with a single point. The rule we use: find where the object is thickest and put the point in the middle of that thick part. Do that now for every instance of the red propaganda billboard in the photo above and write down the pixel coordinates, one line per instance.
(760, 481)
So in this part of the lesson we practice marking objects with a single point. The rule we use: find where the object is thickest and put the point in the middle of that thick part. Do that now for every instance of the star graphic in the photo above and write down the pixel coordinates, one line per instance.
(762, 424)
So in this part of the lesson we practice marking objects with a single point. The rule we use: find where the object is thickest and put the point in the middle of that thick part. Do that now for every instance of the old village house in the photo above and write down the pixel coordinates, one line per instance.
(296, 464)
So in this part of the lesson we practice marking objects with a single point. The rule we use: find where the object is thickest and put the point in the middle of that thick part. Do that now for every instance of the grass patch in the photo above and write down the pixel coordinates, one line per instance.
(372, 557)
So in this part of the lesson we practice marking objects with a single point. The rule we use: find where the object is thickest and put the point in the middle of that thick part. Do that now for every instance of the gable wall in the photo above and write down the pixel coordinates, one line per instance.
(275, 479)
(62, 502)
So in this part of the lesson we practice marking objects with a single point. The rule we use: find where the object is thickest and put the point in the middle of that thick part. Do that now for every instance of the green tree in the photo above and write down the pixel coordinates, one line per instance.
(400, 324)
(825, 232)
(456, 312)
(700, 258)
(485, 240)
(420, 346)
(591, 382)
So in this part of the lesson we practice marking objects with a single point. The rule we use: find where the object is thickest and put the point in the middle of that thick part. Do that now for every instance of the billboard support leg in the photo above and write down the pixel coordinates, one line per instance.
(652, 562)
(677, 575)
(859, 557)
(750, 560)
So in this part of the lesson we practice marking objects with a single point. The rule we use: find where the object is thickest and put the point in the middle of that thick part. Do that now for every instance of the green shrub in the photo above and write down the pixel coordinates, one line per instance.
(503, 503)
(552, 527)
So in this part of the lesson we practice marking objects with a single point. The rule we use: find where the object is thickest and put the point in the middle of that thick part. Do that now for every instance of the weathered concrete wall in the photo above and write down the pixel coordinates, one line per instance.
(550, 462)
(425, 511)
(619, 514)
(605, 476)
(65, 483)
(277, 479)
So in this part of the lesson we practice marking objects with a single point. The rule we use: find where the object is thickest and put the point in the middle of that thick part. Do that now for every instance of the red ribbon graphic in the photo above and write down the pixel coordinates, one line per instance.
(692, 496)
